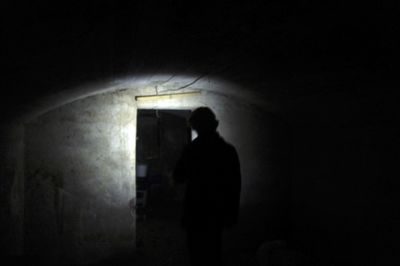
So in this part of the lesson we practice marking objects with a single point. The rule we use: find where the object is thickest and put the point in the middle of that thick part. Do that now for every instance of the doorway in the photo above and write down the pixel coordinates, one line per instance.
(161, 138)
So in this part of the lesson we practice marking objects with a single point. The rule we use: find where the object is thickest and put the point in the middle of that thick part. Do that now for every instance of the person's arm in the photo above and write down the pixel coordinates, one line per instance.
(237, 177)
(234, 187)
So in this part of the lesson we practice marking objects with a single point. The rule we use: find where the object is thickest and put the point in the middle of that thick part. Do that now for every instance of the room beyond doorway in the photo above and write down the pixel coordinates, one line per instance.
(161, 137)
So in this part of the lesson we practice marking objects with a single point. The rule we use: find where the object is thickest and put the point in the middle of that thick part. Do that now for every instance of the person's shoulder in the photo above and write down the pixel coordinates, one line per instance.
(227, 145)
(231, 149)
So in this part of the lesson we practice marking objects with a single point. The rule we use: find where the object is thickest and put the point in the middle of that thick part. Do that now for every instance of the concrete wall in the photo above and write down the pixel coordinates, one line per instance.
(79, 178)
(11, 189)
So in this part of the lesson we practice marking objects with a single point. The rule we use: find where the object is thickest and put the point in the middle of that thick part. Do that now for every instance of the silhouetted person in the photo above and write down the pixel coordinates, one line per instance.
(210, 168)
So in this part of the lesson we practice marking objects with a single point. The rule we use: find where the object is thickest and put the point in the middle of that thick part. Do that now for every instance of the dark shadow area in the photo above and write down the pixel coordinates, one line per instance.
(343, 178)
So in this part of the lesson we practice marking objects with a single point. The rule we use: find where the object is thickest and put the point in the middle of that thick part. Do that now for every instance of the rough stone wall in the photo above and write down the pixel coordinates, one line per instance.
(80, 171)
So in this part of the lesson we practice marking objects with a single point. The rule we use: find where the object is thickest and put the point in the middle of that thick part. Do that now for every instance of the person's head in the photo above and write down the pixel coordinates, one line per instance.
(203, 121)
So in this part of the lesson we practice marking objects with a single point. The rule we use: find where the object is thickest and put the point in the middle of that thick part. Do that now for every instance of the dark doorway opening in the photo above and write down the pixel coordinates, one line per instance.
(161, 137)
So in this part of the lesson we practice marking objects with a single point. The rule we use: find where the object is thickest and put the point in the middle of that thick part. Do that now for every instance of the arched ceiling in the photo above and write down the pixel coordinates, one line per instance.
(278, 50)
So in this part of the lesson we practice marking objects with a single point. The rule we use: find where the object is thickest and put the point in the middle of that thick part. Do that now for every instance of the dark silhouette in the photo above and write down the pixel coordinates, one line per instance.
(210, 168)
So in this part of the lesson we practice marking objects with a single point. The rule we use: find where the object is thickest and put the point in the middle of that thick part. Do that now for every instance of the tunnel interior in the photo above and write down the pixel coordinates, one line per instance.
(105, 182)
(306, 92)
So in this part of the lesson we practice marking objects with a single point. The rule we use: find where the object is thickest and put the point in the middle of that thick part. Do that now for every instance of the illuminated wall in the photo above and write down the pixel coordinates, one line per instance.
(80, 172)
